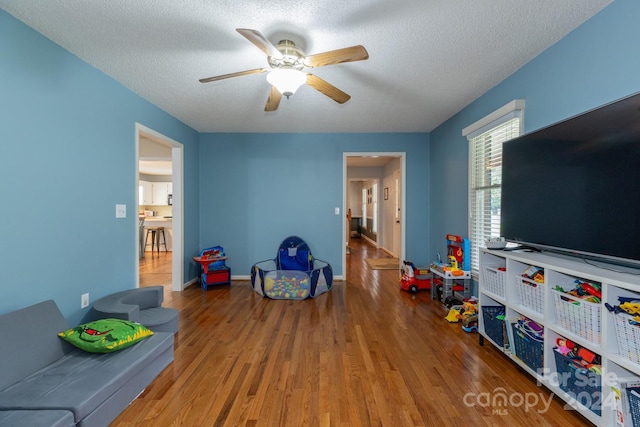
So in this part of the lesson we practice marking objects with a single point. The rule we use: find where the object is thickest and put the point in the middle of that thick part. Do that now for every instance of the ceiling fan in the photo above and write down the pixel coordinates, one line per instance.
(286, 62)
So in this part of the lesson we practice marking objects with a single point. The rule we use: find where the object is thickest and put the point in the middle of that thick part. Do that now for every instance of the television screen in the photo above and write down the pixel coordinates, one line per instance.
(575, 186)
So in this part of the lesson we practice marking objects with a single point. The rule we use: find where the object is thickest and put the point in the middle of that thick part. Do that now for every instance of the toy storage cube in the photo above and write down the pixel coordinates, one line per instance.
(218, 276)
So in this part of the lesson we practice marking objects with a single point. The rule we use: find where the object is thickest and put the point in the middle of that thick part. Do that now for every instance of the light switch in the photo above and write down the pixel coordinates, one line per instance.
(337, 211)
(121, 211)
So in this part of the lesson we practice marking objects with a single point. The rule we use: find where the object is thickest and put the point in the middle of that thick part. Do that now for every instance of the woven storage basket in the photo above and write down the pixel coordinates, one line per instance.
(531, 294)
(580, 384)
(634, 405)
(494, 327)
(576, 315)
(628, 336)
(494, 280)
(527, 348)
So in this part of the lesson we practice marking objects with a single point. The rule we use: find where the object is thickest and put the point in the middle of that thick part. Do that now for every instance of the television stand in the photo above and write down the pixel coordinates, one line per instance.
(587, 324)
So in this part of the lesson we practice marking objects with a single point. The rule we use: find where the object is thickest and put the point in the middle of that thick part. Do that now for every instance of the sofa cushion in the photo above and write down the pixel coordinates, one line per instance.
(29, 342)
(81, 381)
(105, 335)
(36, 418)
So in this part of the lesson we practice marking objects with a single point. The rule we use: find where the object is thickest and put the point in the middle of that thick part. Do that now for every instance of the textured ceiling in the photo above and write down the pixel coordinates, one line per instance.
(428, 58)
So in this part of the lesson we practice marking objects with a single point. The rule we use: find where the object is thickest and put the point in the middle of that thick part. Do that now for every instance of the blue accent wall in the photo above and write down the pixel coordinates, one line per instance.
(258, 189)
(67, 157)
(596, 63)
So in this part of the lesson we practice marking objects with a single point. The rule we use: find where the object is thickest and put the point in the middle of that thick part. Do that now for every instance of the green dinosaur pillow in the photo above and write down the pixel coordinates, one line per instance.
(105, 335)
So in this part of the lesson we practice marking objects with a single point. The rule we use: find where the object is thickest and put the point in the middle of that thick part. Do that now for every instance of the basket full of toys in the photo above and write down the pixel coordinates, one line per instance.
(528, 337)
(494, 325)
(531, 288)
(627, 325)
(579, 373)
(579, 310)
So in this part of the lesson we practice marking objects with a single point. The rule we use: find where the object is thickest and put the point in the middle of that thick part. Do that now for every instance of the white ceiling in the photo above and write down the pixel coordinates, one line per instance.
(428, 58)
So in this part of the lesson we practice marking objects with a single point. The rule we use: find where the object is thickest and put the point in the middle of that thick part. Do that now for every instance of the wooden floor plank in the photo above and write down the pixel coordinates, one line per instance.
(364, 354)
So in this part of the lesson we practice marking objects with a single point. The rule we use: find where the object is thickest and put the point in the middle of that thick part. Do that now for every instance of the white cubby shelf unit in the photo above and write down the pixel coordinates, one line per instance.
(589, 325)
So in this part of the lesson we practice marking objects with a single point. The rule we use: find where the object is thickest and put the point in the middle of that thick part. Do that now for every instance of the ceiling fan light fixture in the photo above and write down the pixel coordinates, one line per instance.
(287, 80)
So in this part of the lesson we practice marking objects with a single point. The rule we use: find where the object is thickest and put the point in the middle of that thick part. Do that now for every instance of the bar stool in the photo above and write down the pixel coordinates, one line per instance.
(155, 238)
(142, 240)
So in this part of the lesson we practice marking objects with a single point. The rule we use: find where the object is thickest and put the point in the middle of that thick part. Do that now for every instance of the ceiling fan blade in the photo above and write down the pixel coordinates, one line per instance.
(259, 40)
(347, 54)
(327, 89)
(274, 100)
(238, 74)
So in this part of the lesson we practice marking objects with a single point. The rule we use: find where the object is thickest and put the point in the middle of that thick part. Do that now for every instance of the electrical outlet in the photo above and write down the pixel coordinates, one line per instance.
(84, 301)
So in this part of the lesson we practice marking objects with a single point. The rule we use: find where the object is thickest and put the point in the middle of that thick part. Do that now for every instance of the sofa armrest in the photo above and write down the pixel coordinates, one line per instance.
(112, 307)
(149, 297)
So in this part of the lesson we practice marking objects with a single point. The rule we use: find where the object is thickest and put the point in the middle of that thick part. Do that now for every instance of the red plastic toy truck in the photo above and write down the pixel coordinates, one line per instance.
(414, 279)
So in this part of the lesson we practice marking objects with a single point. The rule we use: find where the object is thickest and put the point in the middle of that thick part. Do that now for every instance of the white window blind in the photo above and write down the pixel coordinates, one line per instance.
(485, 175)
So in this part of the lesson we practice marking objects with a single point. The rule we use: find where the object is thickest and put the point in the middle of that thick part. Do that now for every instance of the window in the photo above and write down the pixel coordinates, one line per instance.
(485, 172)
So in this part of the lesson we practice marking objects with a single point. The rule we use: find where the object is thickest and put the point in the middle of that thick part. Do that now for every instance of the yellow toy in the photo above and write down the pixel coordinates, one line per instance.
(632, 308)
(454, 315)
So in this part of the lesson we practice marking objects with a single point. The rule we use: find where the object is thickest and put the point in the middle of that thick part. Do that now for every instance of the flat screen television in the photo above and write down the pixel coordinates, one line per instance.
(574, 187)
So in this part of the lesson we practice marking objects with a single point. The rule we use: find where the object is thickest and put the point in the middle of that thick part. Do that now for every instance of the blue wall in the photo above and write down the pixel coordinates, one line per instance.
(257, 189)
(58, 234)
(597, 63)
(67, 157)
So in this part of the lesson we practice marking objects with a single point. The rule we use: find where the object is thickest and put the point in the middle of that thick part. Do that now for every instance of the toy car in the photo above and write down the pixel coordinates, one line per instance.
(412, 280)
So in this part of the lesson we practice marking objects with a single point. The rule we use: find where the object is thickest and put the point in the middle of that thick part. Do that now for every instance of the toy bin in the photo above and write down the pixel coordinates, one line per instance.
(494, 325)
(528, 342)
(633, 395)
(576, 315)
(581, 384)
(216, 276)
(494, 280)
(628, 337)
(531, 294)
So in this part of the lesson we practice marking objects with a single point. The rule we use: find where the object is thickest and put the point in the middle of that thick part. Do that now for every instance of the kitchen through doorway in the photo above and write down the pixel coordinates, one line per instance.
(160, 210)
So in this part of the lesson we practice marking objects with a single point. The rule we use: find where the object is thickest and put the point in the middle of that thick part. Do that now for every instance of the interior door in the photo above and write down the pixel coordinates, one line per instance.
(396, 198)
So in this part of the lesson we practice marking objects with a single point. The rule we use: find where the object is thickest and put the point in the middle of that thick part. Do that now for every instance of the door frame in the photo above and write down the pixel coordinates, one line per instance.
(177, 210)
(403, 203)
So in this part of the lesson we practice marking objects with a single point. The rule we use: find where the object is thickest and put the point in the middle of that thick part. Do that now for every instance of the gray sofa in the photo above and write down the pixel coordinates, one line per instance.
(44, 381)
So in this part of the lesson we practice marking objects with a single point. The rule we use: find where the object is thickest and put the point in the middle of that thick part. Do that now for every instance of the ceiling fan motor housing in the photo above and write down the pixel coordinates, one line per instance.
(292, 57)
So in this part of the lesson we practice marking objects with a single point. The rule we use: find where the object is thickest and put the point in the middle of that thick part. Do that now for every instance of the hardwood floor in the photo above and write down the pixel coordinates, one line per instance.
(364, 354)
(155, 269)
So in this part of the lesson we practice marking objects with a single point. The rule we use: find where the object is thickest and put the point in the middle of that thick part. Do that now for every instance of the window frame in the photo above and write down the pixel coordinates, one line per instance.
(487, 127)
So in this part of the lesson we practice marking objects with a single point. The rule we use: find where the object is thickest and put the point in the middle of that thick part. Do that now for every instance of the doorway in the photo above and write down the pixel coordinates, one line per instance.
(387, 169)
(144, 135)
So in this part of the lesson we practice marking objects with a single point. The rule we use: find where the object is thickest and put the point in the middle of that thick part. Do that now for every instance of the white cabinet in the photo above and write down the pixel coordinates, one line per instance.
(154, 193)
(145, 193)
(161, 191)
(589, 325)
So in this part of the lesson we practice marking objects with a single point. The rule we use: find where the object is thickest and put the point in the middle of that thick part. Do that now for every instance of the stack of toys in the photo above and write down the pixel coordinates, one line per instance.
(467, 313)
(588, 291)
(630, 306)
(579, 357)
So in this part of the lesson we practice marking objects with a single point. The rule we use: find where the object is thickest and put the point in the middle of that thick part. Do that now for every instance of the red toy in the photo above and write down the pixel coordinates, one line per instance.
(414, 279)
